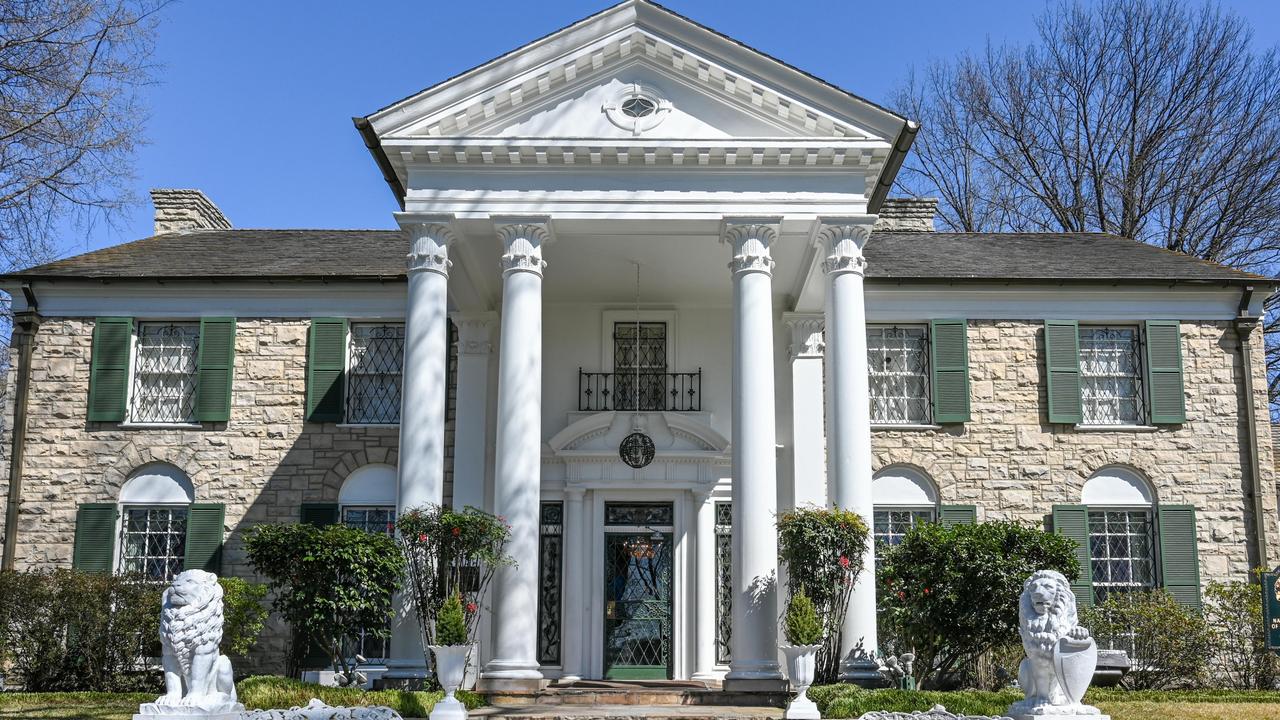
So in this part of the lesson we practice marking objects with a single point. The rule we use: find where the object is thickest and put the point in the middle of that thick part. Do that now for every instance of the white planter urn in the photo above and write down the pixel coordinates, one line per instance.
(802, 660)
(451, 668)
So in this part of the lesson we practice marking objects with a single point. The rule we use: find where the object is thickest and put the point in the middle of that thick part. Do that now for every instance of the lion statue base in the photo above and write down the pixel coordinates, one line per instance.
(1061, 656)
(197, 678)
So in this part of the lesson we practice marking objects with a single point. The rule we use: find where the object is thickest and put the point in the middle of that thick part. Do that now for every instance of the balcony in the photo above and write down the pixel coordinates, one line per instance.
(657, 392)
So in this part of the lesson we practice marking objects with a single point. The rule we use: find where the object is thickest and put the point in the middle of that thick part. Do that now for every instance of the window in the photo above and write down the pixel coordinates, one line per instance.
(375, 362)
(903, 496)
(153, 525)
(550, 553)
(372, 519)
(1121, 551)
(367, 501)
(640, 355)
(164, 373)
(898, 375)
(724, 581)
(1111, 376)
(892, 524)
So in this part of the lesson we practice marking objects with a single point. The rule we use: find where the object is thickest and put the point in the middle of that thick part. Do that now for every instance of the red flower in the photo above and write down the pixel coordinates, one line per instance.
(844, 561)
(422, 537)
(457, 531)
(926, 591)
(390, 527)
(901, 595)
(472, 607)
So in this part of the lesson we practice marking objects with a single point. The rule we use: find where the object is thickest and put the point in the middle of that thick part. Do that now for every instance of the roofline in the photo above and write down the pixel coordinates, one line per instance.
(374, 145)
(888, 174)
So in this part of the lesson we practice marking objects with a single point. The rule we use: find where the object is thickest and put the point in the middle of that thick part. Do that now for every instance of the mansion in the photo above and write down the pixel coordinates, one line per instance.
(646, 290)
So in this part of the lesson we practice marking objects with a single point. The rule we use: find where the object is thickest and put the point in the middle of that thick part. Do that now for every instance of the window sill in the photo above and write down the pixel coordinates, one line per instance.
(160, 426)
(1117, 428)
(906, 426)
(368, 425)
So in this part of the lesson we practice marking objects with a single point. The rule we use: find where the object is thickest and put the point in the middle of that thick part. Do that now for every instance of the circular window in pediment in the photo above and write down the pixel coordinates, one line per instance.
(637, 109)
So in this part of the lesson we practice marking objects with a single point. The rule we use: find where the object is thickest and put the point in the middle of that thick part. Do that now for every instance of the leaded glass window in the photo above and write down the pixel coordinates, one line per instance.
(724, 580)
(640, 356)
(1121, 551)
(374, 368)
(1111, 376)
(374, 519)
(550, 561)
(153, 541)
(898, 375)
(642, 514)
(164, 373)
(892, 524)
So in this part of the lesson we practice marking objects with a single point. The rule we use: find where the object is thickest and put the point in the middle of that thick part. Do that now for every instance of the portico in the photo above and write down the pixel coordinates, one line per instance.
(535, 188)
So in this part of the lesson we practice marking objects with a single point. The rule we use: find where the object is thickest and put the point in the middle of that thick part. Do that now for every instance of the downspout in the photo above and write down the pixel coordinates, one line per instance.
(1244, 325)
(25, 326)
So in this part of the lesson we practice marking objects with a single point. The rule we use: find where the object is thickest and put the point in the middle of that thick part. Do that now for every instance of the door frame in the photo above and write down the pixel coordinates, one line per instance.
(681, 580)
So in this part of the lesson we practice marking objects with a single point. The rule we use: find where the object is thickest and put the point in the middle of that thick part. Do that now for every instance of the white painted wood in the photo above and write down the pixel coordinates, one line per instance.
(705, 590)
(373, 484)
(808, 434)
(902, 486)
(157, 484)
(471, 420)
(1117, 486)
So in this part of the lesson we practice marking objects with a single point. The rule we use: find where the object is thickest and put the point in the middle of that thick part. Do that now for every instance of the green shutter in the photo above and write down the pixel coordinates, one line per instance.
(1062, 368)
(216, 365)
(958, 515)
(1164, 372)
(109, 368)
(320, 514)
(95, 537)
(326, 365)
(1179, 556)
(204, 537)
(949, 345)
(1073, 521)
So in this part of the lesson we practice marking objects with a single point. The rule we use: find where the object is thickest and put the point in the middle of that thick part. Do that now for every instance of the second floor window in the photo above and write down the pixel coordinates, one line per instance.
(1111, 376)
(898, 375)
(640, 354)
(164, 373)
(375, 363)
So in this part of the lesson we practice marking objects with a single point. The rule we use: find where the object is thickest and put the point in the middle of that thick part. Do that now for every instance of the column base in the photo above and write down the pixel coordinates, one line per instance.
(506, 676)
(406, 669)
(863, 672)
(758, 676)
(755, 685)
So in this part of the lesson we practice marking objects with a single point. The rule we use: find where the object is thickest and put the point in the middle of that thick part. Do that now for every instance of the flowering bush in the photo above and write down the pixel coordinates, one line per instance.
(822, 551)
(447, 554)
(950, 594)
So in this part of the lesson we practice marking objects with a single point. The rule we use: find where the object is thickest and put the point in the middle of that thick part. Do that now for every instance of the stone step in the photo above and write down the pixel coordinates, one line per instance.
(626, 712)
(638, 696)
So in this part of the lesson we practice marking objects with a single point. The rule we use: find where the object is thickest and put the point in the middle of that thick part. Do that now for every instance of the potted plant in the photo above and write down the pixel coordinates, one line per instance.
(804, 631)
(451, 653)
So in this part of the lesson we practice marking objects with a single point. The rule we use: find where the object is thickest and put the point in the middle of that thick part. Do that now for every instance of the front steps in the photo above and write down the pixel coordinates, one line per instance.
(658, 693)
(626, 712)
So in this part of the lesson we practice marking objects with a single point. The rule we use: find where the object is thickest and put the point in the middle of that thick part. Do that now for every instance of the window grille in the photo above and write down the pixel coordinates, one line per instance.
(153, 541)
(550, 552)
(164, 373)
(374, 368)
(724, 580)
(898, 375)
(892, 524)
(1111, 376)
(374, 519)
(1121, 550)
(643, 360)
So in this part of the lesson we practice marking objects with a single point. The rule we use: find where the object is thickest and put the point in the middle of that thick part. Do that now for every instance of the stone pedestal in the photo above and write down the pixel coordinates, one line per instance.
(222, 711)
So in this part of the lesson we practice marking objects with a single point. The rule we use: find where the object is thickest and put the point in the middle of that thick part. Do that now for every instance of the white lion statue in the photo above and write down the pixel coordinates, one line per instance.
(1061, 656)
(197, 678)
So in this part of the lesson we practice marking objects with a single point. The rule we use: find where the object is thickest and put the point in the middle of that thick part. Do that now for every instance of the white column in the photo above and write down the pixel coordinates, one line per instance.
(574, 588)
(704, 544)
(755, 465)
(470, 433)
(849, 435)
(421, 466)
(808, 439)
(517, 474)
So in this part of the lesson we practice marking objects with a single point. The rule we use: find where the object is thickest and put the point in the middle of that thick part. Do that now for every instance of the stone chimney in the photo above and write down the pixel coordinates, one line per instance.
(186, 210)
(907, 215)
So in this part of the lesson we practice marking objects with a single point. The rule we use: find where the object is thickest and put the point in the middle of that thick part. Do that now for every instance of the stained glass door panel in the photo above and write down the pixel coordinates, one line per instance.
(637, 603)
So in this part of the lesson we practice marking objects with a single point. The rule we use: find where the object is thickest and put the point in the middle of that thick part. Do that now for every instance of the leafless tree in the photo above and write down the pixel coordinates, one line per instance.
(70, 116)
(1152, 119)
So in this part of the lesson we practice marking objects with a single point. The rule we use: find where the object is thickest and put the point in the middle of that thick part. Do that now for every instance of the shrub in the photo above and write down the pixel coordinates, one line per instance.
(448, 553)
(267, 692)
(451, 624)
(243, 614)
(1168, 644)
(330, 583)
(822, 550)
(802, 625)
(64, 630)
(950, 594)
(1239, 637)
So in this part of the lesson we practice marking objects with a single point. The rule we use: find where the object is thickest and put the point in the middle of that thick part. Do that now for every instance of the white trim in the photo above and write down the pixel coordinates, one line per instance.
(372, 485)
(1115, 487)
(1116, 428)
(905, 427)
(903, 486)
(127, 425)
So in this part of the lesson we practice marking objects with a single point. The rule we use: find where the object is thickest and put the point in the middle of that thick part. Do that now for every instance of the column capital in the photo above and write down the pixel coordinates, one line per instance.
(522, 241)
(429, 239)
(841, 239)
(807, 334)
(573, 493)
(750, 239)
(475, 331)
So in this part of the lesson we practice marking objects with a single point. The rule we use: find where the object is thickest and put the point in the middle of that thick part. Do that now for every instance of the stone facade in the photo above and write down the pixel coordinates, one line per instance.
(1012, 463)
(907, 215)
(185, 210)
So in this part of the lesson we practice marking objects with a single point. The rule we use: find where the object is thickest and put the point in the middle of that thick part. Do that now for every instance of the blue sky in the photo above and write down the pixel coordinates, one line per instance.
(254, 99)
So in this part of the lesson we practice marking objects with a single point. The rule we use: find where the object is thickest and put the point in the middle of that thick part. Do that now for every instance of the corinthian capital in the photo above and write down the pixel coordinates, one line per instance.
(750, 240)
(522, 243)
(429, 241)
(842, 240)
(807, 338)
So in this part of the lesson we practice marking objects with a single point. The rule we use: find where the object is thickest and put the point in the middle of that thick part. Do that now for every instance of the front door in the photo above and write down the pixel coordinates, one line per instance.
(637, 605)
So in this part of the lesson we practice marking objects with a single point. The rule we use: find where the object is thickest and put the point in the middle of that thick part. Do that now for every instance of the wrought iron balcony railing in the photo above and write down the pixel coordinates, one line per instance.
(670, 392)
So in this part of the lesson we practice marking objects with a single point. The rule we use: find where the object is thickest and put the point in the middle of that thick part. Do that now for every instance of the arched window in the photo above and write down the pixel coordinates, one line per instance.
(154, 505)
(1122, 538)
(903, 496)
(367, 499)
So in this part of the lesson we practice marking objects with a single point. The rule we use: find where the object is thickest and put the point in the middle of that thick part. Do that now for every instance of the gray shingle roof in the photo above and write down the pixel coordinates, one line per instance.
(281, 255)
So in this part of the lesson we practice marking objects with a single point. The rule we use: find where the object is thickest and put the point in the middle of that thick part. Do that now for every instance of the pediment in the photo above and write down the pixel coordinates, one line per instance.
(675, 437)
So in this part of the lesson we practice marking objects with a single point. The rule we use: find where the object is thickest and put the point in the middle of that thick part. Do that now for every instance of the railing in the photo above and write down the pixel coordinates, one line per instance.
(670, 392)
